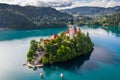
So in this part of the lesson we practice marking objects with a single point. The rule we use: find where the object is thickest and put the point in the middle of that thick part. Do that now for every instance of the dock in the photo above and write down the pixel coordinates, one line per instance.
(33, 65)
(35, 62)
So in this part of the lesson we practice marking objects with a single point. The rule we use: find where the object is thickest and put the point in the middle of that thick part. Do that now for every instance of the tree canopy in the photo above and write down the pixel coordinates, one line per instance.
(62, 49)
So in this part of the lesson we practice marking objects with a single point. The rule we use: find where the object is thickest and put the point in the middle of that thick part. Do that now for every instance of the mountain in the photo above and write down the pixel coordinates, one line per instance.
(86, 10)
(29, 17)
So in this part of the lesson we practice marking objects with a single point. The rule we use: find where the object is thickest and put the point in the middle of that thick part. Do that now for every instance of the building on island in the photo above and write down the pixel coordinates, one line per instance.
(71, 29)
(46, 40)
(54, 36)
(70, 32)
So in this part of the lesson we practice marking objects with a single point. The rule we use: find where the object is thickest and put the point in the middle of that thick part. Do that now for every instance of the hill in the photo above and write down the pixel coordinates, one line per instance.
(29, 17)
(87, 10)
(111, 20)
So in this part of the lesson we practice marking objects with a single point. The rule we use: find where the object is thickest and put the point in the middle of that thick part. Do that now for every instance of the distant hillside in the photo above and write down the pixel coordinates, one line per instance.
(28, 17)
(93, 10)
(111, 20)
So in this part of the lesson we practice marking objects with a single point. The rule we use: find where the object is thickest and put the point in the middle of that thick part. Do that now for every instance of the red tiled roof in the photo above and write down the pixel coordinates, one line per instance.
(67, 32)
(75, 31)
(46, 40)
(54, 36)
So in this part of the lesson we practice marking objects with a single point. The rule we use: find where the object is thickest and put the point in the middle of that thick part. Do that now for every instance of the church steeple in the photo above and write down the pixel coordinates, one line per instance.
(71, 21)
(71, 27)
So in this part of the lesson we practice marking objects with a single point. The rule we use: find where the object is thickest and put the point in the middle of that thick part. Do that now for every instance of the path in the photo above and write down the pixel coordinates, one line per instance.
(40, 55)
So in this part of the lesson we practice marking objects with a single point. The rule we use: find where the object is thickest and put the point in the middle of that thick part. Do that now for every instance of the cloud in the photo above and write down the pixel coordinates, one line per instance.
(59, 4)
(99, 3)
(24, 2)
(56, 3)
(63, 4)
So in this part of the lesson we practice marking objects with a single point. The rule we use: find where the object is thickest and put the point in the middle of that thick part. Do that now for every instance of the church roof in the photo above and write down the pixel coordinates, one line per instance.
(75, 31)
(54, 36)
(46, 40)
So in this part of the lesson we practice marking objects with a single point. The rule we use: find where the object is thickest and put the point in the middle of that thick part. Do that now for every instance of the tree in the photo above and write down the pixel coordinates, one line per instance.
(59, 52)
(44, 60)
(41, 39)
(30, 54)
(58, 39)
(29, 59)
(119, 24)
(33, 45)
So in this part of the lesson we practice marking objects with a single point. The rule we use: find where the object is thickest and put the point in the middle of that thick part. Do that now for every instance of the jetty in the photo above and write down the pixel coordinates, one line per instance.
(35, 63)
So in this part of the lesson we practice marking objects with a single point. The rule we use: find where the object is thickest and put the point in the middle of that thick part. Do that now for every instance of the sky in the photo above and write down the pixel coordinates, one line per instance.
(64, 4)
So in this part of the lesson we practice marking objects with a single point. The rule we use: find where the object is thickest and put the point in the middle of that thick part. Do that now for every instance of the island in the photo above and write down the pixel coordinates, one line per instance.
(59, 48)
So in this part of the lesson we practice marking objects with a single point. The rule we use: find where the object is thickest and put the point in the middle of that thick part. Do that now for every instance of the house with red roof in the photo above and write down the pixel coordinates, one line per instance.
(54, 36)
(46, 40)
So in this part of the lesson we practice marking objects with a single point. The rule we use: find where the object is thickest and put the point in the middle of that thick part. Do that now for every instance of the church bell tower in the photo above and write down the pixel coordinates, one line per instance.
(71, 28)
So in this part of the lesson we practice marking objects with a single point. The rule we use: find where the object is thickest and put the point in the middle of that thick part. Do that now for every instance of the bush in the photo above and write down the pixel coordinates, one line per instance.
(44, 60)
(29, 59)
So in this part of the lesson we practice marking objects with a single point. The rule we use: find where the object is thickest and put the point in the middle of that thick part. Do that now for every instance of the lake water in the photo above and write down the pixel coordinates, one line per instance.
(102, 64)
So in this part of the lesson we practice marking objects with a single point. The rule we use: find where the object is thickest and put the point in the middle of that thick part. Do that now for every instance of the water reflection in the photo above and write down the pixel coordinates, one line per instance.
(109, 29)
(73, 64)
(88, 62)
(100, 55)
(114, 30)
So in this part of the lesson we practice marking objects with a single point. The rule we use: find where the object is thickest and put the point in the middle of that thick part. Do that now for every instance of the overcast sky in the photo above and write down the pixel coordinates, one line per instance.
(63, 4)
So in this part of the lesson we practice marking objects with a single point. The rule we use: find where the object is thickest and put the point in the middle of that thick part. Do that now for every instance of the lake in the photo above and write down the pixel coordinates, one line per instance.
(102, 64)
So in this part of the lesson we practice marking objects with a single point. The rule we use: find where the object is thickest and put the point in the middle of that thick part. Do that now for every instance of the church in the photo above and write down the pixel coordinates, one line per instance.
(71, 29)
(70, 32)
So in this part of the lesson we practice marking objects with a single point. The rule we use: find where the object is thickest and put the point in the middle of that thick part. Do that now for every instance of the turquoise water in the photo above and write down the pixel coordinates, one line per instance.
(102, 64)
